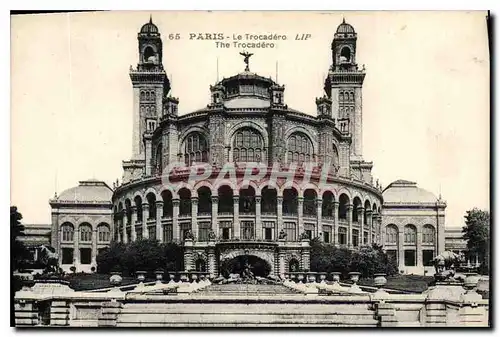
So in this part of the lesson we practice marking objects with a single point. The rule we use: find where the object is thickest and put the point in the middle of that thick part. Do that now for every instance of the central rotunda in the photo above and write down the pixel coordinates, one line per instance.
(247, 175)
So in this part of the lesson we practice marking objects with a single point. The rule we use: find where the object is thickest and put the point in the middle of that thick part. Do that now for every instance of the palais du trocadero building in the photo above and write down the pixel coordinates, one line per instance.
(248, 121)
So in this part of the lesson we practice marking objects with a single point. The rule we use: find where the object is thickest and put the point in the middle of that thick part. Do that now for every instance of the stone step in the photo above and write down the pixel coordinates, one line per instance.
(247, 308)
(253, 289)
(358, 324)
(231, 318)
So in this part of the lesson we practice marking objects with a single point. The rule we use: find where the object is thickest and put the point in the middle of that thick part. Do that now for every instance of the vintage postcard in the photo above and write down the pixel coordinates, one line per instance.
(250, 169)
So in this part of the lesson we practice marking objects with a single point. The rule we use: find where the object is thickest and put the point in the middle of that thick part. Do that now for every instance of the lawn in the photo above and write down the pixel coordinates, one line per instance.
(412, 283)
(95, 281)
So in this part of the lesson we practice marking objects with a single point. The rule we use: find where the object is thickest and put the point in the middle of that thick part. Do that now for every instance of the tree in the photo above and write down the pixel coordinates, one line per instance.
(145, 255)
(367, 260)
(18, 250)
(477, 233)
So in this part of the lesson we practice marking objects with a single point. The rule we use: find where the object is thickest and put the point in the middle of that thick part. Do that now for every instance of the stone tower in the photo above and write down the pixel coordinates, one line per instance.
(150, 85)
(344, 86)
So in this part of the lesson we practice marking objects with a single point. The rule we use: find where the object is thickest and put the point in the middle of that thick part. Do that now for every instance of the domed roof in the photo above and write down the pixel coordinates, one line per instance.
(404, 191)
(149, 28)
(345, 28)
(87, 191)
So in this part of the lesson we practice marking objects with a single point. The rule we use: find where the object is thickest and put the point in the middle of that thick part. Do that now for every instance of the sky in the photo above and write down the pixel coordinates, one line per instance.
(425, 95)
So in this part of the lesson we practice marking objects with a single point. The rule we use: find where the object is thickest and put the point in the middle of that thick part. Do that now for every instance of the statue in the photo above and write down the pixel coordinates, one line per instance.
(48, 257)
(189, 235)
(446, 264)
(304, 236)
(246, 59)
(247, 273)
(282, 235)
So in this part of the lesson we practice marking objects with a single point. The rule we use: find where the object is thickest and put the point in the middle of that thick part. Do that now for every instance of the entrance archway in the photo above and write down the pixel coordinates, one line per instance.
(237, 264)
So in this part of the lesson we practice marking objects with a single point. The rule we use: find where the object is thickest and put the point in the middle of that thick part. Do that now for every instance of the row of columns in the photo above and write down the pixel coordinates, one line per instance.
(258, 219)
(77, 246)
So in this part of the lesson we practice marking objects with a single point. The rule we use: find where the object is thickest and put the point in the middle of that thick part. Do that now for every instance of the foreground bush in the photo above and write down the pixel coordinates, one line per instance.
(147, 255)
(367, 260)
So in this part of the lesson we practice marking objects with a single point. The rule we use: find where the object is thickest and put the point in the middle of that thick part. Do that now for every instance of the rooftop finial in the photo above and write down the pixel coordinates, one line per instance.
(343, 19)
(150, 18)
(246, 55)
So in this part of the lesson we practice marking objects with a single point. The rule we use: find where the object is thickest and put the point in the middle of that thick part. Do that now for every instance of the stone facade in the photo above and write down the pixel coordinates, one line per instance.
(454, 242)
(412, 226)
(248, 125)
(81, 224)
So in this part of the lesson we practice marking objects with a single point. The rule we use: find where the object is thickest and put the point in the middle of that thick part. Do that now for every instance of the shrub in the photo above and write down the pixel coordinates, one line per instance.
(367, 260)
(146, 254)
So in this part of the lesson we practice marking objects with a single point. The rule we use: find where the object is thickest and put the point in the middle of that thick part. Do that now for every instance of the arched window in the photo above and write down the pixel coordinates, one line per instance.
(343, 204)
(195, 149)
(410, 234)
(151, 198)
(128, 212)
(309, 203)
(85, 232)
(103, 233)
(248, 146)
(428, 234)
(138, 208)
(327, 205)
(299, 148)
(356, 206)
(149, 54)
(345, 54)
(68, 232)
(391, 234)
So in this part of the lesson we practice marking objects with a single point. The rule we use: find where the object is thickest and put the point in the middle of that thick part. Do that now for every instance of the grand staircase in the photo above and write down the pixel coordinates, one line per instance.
(247, 290)
(245, 305)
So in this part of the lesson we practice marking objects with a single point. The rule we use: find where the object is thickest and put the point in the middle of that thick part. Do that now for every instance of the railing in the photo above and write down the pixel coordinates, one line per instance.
(343, 222)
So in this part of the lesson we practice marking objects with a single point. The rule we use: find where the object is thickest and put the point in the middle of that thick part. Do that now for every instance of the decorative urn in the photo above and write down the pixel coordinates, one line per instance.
(141, 275)
(115, 279)
(336, 277)
(471, 281)
(354, 276)
(379, 280)
(159, 275)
